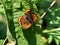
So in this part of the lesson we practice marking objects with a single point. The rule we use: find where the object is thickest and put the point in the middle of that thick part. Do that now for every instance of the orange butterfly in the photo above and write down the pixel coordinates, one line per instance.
(28, 19)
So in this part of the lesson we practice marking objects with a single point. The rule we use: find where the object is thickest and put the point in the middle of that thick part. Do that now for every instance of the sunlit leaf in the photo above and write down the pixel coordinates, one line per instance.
(50, 39)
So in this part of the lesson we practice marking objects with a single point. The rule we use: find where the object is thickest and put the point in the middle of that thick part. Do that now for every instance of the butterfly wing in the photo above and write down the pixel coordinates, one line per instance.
(24, 22)
(34, 17)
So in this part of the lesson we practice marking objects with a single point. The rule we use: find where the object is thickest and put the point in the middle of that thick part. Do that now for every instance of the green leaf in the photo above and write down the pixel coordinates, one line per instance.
(1, 42)
(57, 41)
(50, 38)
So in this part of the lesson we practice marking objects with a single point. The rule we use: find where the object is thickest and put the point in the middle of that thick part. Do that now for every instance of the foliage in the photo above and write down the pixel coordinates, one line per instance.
(49, 31)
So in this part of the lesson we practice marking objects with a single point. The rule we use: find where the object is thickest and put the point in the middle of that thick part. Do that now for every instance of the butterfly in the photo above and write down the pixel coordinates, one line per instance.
(28, 19)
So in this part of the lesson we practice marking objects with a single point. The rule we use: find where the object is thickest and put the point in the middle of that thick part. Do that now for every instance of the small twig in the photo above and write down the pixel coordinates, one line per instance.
(51, 30)
(48, 8)
(4, 41)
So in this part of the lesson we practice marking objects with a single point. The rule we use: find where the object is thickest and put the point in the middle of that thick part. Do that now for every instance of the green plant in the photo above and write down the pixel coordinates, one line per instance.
(42, 32)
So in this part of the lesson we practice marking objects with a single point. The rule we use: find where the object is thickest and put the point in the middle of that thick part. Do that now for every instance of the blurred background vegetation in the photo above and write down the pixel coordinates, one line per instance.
(49, 34)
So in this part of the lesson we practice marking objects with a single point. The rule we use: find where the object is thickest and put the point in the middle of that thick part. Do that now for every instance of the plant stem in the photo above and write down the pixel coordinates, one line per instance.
(52, 30)
(4, 41)
(48, 9)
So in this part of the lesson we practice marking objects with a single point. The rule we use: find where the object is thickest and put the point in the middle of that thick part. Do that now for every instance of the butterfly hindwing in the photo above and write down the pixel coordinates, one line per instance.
(24, 22)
